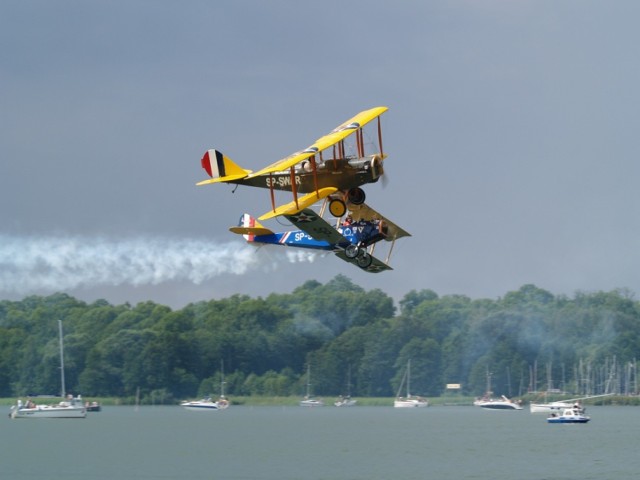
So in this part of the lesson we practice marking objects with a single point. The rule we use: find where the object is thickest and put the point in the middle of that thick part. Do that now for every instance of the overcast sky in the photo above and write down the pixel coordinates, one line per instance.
(512, 136)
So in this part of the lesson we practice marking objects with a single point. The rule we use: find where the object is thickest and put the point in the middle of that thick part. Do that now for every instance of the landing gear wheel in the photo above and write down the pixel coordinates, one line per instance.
(337, 208)
(364, 260)
(352, 251)
(356, 196)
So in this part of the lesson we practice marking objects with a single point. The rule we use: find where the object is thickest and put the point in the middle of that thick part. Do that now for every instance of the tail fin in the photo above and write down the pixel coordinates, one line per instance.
(249, 227)
(221, 168)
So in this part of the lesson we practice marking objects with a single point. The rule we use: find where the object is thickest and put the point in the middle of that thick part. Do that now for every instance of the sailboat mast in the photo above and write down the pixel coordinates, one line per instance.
(63, 392)
(222, 378)
(408, 378)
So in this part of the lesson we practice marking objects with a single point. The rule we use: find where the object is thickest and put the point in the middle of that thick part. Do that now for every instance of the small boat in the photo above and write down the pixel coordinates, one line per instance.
(72, 407)
(489, 403)
(69, 407)
(409, 401)
(569, 415)
(207, 403)
(561, 405)
(308, 400)
(503, 403)
(201, 405)
(92, 406)
(345, 402)
(550, 407)
(311, 402)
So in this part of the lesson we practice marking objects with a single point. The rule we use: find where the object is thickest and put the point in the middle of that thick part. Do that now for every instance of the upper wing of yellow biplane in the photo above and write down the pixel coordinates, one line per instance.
(336, 135)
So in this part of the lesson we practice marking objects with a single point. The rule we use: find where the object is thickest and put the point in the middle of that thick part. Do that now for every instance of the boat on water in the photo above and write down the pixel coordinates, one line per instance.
(207, 403)
(569, 415)
(308, 400)
(561, 405)
(69, 407)
(93, 406)
(503, 403)
(553, 407)
(489, 403)
(409, 401)
(345, 402)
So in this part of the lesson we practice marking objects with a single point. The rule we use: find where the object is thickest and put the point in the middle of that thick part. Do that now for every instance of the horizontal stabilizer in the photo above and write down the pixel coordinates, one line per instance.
(228, 178)
(302, 203)
(221, 168)
(251, 231)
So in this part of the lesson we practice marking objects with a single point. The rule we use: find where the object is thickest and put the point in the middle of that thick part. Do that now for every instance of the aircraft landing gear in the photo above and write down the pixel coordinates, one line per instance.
(352, 251)
(337, 207)
(364, 260)
(356, 196)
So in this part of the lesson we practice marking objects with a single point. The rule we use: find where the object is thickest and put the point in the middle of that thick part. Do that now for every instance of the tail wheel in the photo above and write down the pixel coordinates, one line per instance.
(337, 207)
(365, 260)
(356, 196)
(352, 251)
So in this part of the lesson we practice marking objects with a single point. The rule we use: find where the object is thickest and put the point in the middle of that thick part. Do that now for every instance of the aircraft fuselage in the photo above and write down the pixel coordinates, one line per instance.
(342, 174)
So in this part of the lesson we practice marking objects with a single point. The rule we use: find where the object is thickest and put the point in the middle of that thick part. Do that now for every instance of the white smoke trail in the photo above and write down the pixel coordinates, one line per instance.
(30, 264)
(298, 255)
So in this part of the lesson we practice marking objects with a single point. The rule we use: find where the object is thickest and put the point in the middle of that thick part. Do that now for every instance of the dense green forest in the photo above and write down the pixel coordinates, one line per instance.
(528, 340)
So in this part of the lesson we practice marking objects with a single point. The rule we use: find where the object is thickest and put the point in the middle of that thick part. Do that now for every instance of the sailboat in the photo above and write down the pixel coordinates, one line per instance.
(69, 407)
(346, 401)
(308, 400)
(409, 401)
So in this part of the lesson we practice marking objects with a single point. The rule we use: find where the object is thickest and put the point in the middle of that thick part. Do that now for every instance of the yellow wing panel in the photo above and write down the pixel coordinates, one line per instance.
(228, 178)
(303, 202)
(333, 137)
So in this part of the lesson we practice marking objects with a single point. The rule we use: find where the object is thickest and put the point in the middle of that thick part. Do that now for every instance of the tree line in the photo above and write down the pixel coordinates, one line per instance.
(353, 341)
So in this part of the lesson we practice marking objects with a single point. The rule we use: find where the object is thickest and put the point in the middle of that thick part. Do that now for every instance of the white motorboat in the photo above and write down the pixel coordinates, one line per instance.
(503, 403)
(409, 401)
(72, 407)
(311, 402)
(569, 415)
(69, 407)
(206, 404)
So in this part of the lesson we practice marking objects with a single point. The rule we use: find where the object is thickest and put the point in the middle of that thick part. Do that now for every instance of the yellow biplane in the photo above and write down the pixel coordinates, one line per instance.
(331, 168)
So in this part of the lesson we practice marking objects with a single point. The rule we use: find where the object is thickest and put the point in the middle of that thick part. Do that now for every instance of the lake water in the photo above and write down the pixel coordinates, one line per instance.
(282, 443)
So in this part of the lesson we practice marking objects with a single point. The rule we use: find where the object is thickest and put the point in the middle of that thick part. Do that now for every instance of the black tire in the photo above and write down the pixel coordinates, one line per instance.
(365, 260)
(352, 251)
(356, 196)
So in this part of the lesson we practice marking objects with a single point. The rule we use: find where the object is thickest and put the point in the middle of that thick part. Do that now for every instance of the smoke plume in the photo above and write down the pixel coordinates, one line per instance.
(29, 264)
